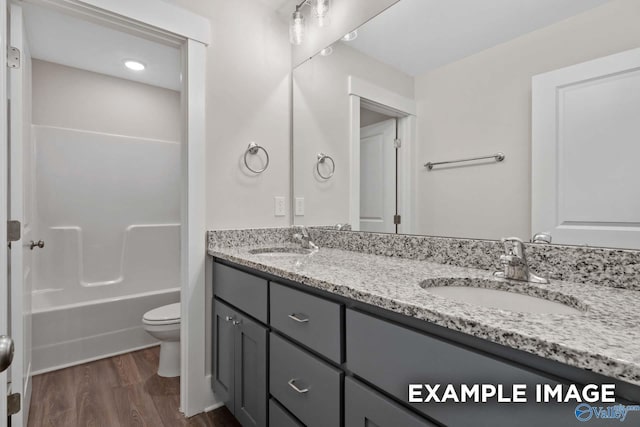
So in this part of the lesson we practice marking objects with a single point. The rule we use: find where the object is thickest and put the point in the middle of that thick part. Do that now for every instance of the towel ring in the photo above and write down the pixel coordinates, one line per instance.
(253, 148)
(321, 159)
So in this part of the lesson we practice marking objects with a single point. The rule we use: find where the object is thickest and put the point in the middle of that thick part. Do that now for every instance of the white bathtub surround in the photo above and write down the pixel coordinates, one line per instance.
(163, 323)
(69, 335)
(108, 208)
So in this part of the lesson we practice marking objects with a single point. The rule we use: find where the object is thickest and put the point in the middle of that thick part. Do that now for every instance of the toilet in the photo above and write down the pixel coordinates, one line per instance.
(163, 323)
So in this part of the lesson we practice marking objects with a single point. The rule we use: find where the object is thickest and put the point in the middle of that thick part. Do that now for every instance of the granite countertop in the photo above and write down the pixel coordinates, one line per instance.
(604, 338)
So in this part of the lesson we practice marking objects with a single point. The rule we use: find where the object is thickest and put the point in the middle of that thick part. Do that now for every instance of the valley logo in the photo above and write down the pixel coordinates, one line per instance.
(585, 412)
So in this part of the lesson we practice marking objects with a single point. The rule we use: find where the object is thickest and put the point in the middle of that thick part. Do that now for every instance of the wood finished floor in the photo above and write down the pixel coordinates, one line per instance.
(118, 391)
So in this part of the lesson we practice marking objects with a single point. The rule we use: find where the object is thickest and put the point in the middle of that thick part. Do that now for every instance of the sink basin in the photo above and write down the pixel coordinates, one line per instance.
(516, 297)
(281, 251)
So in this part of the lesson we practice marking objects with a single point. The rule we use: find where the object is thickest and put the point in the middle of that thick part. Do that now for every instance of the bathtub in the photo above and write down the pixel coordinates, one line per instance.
(108, 208)
(73, 334)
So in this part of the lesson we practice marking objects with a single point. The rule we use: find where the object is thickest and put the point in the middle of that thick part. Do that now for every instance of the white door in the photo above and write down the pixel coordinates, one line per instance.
(378, 177)
(21, 208)
(4, 281)
(586, 146)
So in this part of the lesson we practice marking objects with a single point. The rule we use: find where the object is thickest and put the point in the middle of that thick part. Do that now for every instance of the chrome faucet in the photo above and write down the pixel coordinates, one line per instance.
(515, 263)
(304, 238)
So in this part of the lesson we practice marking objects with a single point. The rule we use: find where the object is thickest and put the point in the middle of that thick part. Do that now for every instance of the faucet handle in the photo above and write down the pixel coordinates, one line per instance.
(513, 246)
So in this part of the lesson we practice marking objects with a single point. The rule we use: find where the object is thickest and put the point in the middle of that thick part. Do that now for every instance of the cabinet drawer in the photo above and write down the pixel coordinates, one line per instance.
(305, 385)
(278, 417)
(242, 290)
(392, 357)
(364, 407)
(313, 321)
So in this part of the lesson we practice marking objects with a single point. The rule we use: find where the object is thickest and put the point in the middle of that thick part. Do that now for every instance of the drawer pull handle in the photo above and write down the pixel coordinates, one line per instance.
(299, 390)
(236, 322)
(228, 319)
(295, 317)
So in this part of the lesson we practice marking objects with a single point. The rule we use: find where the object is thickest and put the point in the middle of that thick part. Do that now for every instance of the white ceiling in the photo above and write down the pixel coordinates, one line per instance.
(416, 36)
(74, 42)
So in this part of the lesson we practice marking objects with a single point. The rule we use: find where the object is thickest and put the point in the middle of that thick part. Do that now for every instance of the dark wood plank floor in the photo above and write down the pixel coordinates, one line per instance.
(119, 391)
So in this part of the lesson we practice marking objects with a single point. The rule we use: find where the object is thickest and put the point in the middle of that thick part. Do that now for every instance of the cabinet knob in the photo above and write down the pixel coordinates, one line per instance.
(236, 322)
(228, 319)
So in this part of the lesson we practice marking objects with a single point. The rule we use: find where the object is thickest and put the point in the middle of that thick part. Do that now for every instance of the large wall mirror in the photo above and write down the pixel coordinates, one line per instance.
(540, 99)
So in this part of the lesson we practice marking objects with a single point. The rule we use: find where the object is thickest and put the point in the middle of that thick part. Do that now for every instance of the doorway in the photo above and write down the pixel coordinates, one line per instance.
(382, 142)
(378, 170)
(187, 33)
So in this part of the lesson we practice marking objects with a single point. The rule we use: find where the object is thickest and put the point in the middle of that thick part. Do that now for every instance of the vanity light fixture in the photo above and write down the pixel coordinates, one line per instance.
(134, 65)
(297, 25)
(351, 36)
(297, 28)
(320, 10)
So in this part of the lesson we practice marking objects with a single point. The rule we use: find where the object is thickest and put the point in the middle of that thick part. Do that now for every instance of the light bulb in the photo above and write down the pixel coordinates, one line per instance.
(321, 9)
(296, 28)
(134, 65)
(351, 36)
(326, 51)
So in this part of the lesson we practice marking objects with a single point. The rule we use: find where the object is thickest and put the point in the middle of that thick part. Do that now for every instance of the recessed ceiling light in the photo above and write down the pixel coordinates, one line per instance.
(351, 36)
(134, 65)
(326, 51)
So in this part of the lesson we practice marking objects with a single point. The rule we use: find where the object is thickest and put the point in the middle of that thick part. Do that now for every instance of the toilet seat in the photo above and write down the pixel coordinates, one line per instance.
(165, 315)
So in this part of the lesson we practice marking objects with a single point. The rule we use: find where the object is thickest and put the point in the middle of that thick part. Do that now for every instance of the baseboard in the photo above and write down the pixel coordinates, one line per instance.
(211, 401)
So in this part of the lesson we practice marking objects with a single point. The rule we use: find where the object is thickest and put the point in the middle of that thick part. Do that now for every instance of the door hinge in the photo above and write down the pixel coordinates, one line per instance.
(397, 219)
(13, 57)
(13, 230)
(13, 404)
(397, 143)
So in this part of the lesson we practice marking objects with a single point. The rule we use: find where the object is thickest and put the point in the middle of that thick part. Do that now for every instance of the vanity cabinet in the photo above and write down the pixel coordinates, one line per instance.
(313, 321)
(247, 292)
(240, 364)
(307, 386)
(285, 355)
(364, 407)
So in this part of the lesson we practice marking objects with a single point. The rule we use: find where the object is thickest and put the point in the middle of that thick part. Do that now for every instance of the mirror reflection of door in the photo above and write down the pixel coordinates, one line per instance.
(377, 172)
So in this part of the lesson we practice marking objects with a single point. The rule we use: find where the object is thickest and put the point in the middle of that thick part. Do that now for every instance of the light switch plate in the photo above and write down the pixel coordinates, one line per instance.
(280, 208)
(299, 206)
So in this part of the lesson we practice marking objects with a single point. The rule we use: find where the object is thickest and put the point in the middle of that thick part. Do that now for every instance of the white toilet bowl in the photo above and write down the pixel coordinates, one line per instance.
(163, 323)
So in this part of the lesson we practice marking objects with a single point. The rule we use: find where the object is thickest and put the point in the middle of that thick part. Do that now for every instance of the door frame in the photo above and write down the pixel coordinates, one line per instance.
(168, 23)
(361, 91)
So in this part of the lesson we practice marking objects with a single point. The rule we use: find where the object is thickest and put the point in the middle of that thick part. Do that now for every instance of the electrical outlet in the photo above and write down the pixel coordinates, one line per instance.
(280, 208)
(299, 206)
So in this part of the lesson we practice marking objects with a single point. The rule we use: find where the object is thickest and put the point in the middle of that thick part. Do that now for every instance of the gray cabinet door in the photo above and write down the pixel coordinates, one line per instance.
(223, 353)
(304, 384)
(391, 357)
(278, 417)
(364, 407)
(242, 290)
(313, 321)
(251, 392)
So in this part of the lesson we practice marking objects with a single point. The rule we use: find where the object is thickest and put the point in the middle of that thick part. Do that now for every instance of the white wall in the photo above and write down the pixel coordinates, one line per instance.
(247, 98)
(321, 124)
(68, 97)
(482, 104)
(346, 15)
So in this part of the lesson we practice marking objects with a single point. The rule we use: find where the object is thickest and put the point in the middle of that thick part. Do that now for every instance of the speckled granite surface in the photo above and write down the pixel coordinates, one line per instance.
(604, 338)
(610, 267)
(600, 266)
